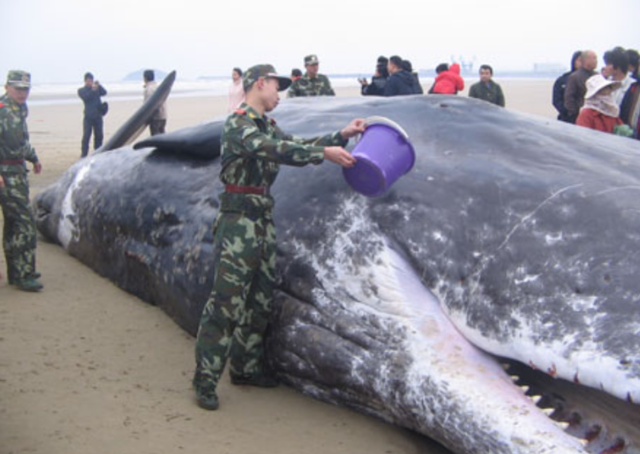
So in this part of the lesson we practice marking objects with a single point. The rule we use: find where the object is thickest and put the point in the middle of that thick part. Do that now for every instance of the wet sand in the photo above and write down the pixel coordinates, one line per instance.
(86, 367)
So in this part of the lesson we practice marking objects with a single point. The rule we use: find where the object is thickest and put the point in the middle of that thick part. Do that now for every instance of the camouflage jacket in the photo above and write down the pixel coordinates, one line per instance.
(253, 147)
(305, 86)
(14, 136)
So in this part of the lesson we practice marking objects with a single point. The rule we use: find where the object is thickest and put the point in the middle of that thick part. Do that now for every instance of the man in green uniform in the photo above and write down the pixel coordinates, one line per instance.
(486, 89)
(312, 83)
(19, 236)
(235, 317)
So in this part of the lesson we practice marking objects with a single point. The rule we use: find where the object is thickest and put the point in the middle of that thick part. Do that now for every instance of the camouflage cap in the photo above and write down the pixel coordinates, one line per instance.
(268, 71)
(19, 79)
(311, 60)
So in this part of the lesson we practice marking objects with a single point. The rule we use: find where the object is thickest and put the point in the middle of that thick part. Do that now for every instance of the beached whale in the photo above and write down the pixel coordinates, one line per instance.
(513, 235)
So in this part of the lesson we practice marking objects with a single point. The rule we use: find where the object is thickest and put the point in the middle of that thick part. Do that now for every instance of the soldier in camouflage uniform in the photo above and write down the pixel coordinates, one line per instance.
(235, 317)
(312, 83)
(19, 236)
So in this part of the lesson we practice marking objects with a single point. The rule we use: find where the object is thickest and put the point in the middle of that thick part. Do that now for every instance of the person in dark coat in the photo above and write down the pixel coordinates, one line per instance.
(92, 122)
(560, 86)
(577, 84)
(487, 89)
(630, 100)
(417, 87)
(378, 81)
(400, 82)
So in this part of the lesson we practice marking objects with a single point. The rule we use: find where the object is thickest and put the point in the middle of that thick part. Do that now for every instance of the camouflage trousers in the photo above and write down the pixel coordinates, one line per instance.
(235, 318)
(19, 235)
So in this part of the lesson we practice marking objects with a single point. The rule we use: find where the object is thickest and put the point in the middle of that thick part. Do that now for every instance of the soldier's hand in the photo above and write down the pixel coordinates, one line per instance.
(1, 182)
(340, 156)
(354, 128)
(37, 167)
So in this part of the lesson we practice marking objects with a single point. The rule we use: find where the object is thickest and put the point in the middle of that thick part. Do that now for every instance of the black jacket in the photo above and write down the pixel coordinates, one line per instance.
(417, 88)
(91, 99)
(400, 83)
(626, 106)
(559, 88)
(575, 91)
(375, 88)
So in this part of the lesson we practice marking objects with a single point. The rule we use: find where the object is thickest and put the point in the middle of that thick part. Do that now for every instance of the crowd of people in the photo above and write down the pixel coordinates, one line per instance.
(608, 100)
(393, 76)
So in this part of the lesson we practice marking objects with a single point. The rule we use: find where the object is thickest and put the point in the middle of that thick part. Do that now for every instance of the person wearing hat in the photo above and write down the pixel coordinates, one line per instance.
(235, 316)
(312, 83)
(600, 111)
(90, 94)
(19, 239)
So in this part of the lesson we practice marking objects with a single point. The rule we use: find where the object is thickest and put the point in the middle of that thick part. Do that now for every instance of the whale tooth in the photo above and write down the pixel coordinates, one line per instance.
(563, 425)
(548, 411)
(515, 378)
(505, 366)
(536, 399)
(524, 389)
(593, 432)
(584, 442)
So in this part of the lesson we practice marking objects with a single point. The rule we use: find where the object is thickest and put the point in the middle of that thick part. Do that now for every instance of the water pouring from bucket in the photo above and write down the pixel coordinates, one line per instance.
(383, 154)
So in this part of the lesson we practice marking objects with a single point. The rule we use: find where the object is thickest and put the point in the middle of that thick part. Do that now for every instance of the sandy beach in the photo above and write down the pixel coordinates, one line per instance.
(86, 367)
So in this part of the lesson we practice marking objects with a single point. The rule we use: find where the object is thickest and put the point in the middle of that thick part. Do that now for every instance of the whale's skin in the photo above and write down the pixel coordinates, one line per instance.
(519, 233)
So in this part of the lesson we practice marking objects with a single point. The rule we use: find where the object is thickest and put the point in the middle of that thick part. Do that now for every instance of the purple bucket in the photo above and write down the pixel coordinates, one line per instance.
(383, 155)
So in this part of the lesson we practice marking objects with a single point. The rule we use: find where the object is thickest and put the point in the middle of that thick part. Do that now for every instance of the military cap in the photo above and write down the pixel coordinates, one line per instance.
(311, 60)
(268, 71)
(19, 79)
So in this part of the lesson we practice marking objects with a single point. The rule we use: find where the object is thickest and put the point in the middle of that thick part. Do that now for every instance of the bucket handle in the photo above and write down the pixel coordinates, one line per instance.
(378, 120)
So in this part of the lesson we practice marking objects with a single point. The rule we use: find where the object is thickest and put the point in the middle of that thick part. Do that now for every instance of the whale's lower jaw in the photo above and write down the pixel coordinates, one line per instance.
(346, 365)
(395, 355)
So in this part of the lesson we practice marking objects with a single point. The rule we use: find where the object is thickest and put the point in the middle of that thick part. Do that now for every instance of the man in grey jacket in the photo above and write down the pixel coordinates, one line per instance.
(577, 84)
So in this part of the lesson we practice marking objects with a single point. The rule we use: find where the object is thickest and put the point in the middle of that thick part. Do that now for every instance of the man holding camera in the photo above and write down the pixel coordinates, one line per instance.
(93, 112)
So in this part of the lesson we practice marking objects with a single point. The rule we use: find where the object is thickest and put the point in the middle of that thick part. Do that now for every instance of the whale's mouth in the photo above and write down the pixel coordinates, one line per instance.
(360, 271)
(604, 423)
(43, 213)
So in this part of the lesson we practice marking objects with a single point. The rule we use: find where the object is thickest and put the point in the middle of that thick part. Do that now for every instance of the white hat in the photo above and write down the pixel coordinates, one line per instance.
(597, 83)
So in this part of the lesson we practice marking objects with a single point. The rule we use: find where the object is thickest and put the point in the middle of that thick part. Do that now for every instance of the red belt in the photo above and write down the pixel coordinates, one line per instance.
(237, 189)
(12, 162)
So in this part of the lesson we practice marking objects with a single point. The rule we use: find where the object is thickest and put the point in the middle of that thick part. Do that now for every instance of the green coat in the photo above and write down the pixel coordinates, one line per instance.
(19, 233)
(305, 86)
(235, 317)
(14, 136)
(253, 147)
(491, 93)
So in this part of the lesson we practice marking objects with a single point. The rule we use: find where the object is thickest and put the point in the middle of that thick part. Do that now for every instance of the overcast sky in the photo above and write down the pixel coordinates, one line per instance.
(58, 40)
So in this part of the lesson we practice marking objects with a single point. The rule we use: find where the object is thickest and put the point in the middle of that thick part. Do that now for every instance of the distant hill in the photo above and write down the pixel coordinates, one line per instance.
(137, 75)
